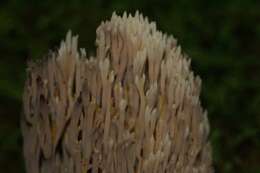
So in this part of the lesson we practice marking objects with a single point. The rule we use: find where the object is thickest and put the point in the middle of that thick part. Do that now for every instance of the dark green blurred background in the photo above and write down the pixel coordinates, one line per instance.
(221, 36)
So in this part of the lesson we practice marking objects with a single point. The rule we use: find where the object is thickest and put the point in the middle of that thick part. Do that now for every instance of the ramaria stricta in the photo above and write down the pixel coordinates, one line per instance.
(134, 108)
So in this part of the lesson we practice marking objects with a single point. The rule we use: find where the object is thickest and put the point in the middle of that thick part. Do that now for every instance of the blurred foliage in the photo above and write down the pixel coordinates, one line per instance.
(222, 38)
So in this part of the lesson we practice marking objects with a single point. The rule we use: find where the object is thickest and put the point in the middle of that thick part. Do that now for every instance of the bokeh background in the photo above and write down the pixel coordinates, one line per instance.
(221, 36)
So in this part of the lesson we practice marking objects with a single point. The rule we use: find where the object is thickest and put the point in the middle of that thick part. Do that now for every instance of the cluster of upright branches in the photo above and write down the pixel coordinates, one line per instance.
(134, 108)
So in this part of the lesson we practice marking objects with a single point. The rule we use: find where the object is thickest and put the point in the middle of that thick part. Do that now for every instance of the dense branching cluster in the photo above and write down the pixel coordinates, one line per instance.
(134, 108)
